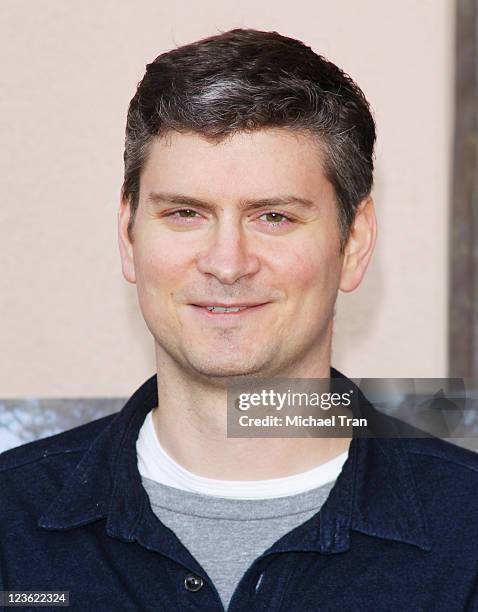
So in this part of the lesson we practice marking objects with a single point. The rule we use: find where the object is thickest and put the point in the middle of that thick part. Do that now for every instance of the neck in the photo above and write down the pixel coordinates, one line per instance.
(191, 425)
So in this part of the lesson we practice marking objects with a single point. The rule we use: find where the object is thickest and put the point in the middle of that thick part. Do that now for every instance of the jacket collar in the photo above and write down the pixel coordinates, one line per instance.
(375, 493)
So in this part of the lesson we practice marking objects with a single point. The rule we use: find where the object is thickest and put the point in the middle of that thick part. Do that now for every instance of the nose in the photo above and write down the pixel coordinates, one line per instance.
(228, 256)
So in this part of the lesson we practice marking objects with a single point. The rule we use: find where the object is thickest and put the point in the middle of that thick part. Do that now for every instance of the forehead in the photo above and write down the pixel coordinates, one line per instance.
(256, 163)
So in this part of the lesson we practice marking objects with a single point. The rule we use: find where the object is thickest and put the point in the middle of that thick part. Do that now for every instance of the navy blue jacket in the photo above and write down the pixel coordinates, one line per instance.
(398, 532)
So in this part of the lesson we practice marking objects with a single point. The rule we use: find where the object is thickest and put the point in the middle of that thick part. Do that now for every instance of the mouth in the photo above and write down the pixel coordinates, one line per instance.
(223, 309)
(226, 311)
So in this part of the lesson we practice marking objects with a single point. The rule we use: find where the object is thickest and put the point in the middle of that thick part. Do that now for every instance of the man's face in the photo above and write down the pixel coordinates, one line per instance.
(249, 223)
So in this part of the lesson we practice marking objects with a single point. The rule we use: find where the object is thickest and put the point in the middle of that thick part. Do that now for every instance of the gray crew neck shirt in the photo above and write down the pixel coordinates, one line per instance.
(226, 536)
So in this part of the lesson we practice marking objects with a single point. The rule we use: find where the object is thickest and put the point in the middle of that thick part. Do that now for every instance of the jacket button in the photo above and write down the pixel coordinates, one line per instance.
(193, 583)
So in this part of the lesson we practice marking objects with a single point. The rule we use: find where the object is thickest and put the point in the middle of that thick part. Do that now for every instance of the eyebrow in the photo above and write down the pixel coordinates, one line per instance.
(184, 200)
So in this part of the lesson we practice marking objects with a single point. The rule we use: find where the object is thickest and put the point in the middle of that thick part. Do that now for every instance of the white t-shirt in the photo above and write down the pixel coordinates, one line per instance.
(155, 464)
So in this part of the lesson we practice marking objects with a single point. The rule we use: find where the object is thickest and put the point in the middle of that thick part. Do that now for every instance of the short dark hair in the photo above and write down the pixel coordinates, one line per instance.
(245, 80)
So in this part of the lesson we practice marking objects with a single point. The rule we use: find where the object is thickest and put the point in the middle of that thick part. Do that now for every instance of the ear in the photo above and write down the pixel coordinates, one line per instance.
(125, 244)
(359, 247)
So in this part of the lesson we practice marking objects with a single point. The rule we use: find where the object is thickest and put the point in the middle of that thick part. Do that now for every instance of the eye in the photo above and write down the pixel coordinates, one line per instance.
(183, 216)
(184, 213)
(275, 218)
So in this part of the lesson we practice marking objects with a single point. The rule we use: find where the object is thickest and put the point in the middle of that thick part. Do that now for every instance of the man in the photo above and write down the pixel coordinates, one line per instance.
(245, 208)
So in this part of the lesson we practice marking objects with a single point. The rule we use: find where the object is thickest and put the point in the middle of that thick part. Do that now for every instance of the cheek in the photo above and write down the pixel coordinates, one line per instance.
(159, 265)
(309, 270)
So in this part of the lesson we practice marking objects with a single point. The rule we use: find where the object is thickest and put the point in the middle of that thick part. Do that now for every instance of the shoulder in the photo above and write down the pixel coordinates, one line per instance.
(33, 474)
(443, 454)
(67, 446)
(446, 479)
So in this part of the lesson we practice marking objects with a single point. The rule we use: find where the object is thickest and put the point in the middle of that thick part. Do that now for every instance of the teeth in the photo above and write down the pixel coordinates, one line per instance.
(223, 309)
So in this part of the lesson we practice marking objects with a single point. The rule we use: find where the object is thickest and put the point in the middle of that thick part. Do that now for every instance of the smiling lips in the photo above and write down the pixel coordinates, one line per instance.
(215, 308)
(224, 309)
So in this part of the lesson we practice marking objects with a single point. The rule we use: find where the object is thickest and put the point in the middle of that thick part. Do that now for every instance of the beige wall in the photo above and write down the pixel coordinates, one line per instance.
(69, 323)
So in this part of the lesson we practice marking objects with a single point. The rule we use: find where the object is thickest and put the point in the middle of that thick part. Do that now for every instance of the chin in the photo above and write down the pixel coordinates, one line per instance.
(230, 367)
